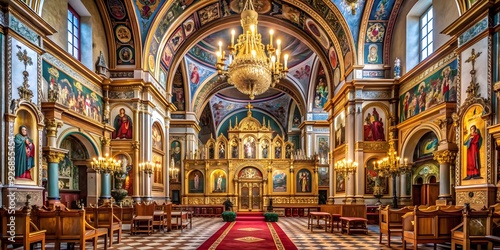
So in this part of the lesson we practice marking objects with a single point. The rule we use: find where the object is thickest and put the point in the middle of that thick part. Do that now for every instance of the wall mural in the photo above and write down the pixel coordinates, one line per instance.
(373, 53)
(340, 129)
(196, 184)
(219, 181)
(321, 90)
(374, 129)
(279, 181)
(73, 94)
(323, 148)
(304, 179)
(196, 74)
(323, 177)
(296, 118)
(123, 124)
(206, 125)
(339, 184)
(175, 148)
(376, 30)
(427, 144)
(372, 179)
(178, 93)
(437, 88)
(473, 132)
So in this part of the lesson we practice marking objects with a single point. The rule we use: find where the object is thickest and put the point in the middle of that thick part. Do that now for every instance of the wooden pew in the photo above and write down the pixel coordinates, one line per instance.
(390, 222)
(24, 231)
(67, 226)
(143, 219)
(429, 225)
(167, 214)
(472, 230)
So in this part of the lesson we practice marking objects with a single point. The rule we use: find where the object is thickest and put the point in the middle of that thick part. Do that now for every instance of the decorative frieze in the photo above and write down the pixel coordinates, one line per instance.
(121, 95)
(376, 94)
(23, 30)
(474, 198)
(473, 31)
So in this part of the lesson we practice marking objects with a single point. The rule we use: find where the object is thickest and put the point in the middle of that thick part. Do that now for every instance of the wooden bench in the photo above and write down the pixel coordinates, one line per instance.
(201, 210)
(166, 209)
(318, 216)
(68, 226)
(181, 220)
(353, 224)
(473, 229)
(429, 225)
(17, 228)
(390, 222)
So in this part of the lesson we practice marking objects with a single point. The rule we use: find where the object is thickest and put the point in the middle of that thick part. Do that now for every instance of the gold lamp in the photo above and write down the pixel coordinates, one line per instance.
(173, 170)
(105, 164)
(344, 168)
(392, 165)
(250, 69)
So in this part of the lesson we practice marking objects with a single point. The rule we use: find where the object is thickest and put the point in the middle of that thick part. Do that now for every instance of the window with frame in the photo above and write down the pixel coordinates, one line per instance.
(426, 28)
(73, 33)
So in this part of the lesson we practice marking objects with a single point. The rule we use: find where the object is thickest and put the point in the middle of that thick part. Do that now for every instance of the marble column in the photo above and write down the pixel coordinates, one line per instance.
(105, 186)
(444, 158)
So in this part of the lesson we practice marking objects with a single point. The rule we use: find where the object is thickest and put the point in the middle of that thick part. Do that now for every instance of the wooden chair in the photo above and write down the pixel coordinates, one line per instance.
(143, 219)
(104, 217)
(127, 215)
(24, 232)
(47, 220)
(472, 230)
(390, 222)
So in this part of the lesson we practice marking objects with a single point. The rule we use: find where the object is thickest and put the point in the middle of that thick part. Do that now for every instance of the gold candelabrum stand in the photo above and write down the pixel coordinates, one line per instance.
(392, 166)
(344, 168)
(148, 167)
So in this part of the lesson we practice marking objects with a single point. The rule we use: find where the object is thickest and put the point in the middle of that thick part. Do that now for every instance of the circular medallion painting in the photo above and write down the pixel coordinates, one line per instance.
(125, 54)
(151, 62)
(117, 9)
(333, 57)
(123, 33)
(316, 31)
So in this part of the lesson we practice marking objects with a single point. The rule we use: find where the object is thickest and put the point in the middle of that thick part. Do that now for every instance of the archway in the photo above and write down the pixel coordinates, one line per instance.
(250, 187)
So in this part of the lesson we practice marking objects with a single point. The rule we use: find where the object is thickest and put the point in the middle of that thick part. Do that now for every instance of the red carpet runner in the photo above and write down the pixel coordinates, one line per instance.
(243, 235)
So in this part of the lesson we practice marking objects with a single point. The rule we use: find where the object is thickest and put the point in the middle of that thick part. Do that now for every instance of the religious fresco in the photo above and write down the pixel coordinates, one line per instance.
(68, 174)
(206, 125)
(323, 148)
(197, 74)
(196, 182)
(323, 177)
(352, 19)
(304, 179)
(373, 128)
(146, 11)
(124, 40)
(473, 146)
(156, 136)
(320, 90)
(72, 93)
(175, 149)
(340, 129)
(438, 87)
(163, 78)
(381, 9)
(372, 179)
(340, 183)
(122, 122)
(219, 179)
(279, 181)
(301, 73)
(158, 174)
(427, 144)
(373, 53)
(278, 107)
(296, 118)
(178, 93)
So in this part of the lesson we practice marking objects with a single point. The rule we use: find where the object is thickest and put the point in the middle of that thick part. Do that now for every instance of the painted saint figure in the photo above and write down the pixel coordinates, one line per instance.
(473, 143)
(123, 126)
(196, 181)
(219, 184)
(24, 154)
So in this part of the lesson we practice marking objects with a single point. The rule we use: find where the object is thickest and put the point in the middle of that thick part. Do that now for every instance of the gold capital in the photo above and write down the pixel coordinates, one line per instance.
(54, 157)
(444, 156)
(52, 125)
(106, 141)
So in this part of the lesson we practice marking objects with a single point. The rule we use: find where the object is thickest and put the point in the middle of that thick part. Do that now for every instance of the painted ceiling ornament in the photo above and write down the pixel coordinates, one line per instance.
(375, 32)
(147, 7)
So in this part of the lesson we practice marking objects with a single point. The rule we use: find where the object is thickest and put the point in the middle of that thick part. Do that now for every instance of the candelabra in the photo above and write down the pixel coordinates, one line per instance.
(148, 167)
(392, 166)
(251, 70)
(105, 164)
(344, 168)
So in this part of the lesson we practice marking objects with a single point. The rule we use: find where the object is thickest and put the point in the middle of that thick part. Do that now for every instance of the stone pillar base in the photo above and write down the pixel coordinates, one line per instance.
(330, 200)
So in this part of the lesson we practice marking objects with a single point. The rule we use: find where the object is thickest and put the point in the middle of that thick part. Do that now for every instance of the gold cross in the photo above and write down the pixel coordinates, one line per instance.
(472, 59)
(249, 106)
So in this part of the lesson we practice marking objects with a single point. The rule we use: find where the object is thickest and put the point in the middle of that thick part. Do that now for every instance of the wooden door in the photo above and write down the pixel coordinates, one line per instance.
(417, 194)
(250, 197)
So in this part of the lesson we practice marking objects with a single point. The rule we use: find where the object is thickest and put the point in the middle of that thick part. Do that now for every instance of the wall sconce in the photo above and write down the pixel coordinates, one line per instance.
(269, 167)
(148, 167)
(174, 172)
(291, 168)
(354, 5)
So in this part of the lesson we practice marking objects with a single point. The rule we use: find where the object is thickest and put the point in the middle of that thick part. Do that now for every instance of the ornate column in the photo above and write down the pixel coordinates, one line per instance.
(54, 155)
(350, 132)
(444, 158)
(105, 195)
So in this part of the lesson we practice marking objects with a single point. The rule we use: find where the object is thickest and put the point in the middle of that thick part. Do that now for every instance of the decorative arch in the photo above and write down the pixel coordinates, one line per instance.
(426, 172)
(411, 139)
(90, 143)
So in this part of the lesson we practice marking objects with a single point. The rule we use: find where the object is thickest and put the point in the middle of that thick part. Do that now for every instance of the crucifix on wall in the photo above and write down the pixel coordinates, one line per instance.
(472, 90)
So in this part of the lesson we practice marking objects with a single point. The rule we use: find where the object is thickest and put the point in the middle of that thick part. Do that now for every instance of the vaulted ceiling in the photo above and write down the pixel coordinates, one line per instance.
(176, 42)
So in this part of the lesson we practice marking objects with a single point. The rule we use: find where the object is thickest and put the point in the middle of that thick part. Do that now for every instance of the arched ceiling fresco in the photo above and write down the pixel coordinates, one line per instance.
(325, 39)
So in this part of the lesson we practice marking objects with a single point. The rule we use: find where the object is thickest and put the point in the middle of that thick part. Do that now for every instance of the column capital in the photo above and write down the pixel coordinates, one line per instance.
(106, 141)
(52, 125)
(444, 156)
(54, 155)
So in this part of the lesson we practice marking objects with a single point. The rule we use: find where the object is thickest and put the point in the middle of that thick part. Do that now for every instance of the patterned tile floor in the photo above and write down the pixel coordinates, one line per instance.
(295, 228)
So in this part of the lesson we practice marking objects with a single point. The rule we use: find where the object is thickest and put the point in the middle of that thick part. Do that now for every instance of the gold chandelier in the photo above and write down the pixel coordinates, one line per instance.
(105, 164)
(251, 70)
